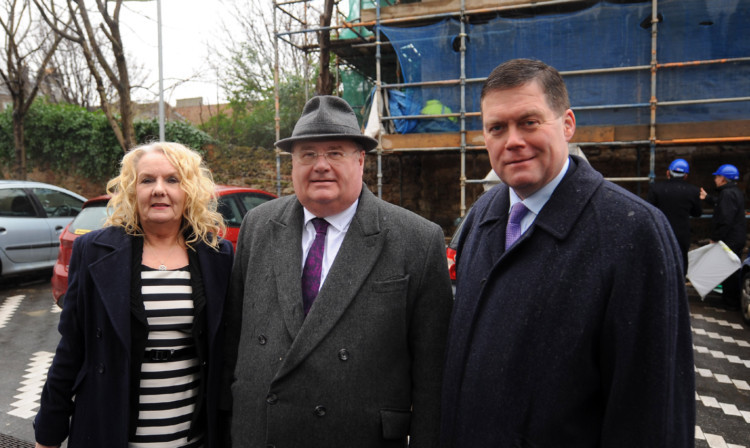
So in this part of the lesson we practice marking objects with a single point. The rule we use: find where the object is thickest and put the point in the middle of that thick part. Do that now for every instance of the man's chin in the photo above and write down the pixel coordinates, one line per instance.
(524, 187)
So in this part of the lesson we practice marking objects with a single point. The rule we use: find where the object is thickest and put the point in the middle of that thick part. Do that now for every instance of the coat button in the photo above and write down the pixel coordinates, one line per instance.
(320, 411)
(272, 399)
(262, 339)
(98, 333)
(344, 354)
(100, 368)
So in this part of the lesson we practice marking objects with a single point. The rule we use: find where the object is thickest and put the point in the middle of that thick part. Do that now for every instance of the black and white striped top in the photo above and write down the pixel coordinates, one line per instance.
(169, 380)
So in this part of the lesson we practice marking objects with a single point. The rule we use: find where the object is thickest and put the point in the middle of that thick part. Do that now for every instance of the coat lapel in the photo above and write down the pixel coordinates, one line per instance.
(111, 276)
(287, 265)
(359, 252)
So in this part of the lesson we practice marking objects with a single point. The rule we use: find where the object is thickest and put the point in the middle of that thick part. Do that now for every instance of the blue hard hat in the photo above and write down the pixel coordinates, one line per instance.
(679, 166)
(729, 171)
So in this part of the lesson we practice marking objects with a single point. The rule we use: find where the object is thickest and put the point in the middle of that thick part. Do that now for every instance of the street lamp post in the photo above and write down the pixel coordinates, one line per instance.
(161, 76)
(161, 70)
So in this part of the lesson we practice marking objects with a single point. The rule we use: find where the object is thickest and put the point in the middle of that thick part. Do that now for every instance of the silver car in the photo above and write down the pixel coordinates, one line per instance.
(32, 216)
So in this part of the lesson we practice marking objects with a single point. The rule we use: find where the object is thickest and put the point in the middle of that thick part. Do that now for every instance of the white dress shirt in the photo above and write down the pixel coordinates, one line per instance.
(339, 224)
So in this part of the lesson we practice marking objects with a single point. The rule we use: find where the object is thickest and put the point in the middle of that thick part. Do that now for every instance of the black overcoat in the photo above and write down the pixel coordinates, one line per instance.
(93, 358)
(728, 223)
(678, 200)
(578, 335)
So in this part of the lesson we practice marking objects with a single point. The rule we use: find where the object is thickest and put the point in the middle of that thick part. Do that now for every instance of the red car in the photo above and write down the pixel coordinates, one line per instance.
(234, 202)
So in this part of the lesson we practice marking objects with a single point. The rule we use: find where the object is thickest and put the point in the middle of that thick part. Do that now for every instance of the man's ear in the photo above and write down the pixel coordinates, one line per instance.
(569, 124)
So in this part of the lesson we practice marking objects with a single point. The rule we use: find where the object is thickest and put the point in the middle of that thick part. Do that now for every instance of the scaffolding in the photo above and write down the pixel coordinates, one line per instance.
(652, 135)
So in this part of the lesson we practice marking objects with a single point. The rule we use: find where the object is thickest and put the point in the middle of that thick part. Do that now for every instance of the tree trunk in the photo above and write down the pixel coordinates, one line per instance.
(324, 86)
(19, 145)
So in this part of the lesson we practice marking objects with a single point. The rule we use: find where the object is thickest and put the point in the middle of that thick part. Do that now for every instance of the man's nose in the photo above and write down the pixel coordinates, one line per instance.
(515, 137)
(321, 162)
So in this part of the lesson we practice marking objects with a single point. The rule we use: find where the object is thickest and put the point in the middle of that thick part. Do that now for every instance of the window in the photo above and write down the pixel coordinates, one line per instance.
(57, 203)
(252, 200)
(15, 203)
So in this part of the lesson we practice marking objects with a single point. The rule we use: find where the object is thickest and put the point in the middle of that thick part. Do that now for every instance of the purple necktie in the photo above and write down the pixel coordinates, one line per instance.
(314, 265)
(513, 230)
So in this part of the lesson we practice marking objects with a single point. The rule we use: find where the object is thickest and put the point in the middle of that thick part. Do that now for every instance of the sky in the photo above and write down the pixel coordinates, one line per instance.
(187, 27)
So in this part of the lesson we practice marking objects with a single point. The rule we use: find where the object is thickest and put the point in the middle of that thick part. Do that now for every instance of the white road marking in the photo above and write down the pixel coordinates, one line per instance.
(721, 322)
(31, 388)
(720, 355)
(9, 308)
(728, 409)
(713, 440)
(724, 379)
(714, 335)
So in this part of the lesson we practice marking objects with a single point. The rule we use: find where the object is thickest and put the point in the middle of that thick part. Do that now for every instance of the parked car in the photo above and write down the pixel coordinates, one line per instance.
(745, 299)
(450, 250)
(234, 202)
(32, 217)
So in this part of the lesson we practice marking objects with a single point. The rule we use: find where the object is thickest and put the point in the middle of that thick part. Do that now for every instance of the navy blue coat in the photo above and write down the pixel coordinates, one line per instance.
(93, 358)
(578, 335)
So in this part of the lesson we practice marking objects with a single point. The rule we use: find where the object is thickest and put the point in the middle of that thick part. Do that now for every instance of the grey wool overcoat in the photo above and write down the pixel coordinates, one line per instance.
(364, 368)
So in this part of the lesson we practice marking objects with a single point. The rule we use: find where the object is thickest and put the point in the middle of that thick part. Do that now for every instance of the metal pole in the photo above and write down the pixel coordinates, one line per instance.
(276, 118)
(653, 100)
(378, 98)
(161, 75)
(462, 75)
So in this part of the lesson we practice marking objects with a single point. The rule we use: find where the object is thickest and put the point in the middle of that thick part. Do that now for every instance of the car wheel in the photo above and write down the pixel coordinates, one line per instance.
(745, 300)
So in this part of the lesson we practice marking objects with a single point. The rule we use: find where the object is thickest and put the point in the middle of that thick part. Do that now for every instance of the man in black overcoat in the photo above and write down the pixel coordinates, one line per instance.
(678, 200)
(728, 224)
(577, 332)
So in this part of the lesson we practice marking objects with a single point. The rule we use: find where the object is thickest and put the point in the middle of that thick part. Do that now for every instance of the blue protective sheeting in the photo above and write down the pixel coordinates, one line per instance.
(603, 36)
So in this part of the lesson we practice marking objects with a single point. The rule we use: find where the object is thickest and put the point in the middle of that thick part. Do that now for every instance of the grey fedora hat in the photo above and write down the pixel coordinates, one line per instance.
(327, 117)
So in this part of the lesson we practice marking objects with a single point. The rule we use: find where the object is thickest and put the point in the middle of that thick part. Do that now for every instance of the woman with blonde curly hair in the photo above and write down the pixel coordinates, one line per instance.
(138, 363)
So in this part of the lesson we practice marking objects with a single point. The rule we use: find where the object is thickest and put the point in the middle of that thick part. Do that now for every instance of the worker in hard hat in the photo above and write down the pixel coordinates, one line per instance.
(728, 224)
(678, 200)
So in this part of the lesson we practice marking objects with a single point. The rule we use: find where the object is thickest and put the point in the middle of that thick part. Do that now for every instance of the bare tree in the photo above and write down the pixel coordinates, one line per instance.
(73, 78)
(98, 41)
(28, 47)
(253, 46)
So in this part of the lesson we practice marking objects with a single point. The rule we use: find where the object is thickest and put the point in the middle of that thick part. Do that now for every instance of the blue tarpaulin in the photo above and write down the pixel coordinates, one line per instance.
(606, 35)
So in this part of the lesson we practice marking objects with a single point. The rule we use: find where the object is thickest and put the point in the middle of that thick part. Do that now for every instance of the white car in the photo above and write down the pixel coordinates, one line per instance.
(32, 217)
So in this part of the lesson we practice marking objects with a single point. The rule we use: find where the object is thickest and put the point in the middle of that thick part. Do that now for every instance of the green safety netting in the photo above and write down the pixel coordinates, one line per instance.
(357, 90)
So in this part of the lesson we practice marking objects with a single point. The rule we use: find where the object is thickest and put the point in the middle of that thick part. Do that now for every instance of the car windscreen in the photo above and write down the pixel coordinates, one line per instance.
(90, 218)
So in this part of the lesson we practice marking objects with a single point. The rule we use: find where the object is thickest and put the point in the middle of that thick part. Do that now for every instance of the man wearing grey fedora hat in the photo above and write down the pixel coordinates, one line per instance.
(339, 305)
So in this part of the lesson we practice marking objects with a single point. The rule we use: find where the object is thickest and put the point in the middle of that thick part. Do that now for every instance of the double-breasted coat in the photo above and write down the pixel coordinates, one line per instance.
(96, 353)
(364, 368)
(578, 335)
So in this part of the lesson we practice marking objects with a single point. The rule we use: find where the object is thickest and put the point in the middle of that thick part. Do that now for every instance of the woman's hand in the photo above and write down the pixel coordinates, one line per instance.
(38, 445)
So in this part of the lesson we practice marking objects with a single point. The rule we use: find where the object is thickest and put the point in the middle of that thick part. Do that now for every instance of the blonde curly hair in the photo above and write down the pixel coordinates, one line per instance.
(200, 220)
